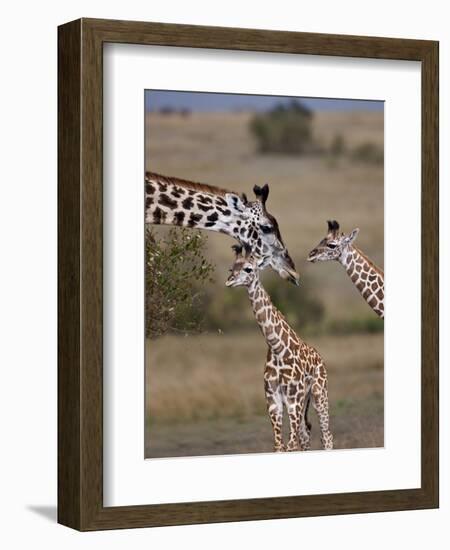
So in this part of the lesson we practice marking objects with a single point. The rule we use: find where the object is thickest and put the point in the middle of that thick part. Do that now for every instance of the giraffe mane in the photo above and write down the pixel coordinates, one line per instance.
(186, 184)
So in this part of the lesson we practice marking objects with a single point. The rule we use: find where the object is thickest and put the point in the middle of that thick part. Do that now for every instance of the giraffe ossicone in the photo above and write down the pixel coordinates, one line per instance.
(173, 201)
(365, 275)
(294, 373)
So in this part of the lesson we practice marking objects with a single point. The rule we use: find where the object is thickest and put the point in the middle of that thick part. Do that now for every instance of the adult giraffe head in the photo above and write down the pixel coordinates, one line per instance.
(261, 235)
(334, 245)
(174, 201)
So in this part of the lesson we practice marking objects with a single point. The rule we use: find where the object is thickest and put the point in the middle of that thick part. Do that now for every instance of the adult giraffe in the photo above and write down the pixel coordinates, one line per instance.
(365, 275)
(174, 201)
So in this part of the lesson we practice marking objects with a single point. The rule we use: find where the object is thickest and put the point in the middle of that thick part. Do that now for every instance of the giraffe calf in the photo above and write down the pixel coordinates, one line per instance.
(365, 275)
(294, 374)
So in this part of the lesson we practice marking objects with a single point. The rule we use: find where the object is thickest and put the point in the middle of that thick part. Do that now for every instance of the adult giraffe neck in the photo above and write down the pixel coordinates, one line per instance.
(366, 276)
(173, 201)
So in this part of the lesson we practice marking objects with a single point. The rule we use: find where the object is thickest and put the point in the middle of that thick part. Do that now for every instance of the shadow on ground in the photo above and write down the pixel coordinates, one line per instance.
(47, 512)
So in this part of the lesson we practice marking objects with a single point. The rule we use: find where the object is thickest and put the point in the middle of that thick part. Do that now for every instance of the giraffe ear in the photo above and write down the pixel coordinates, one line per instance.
(235, 203)
(237, 250)
(352, 236)
(333, 225)
(248, 250)
(261, 192)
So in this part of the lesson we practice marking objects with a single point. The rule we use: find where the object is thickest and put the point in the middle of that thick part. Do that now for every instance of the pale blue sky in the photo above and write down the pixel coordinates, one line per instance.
(204, 101)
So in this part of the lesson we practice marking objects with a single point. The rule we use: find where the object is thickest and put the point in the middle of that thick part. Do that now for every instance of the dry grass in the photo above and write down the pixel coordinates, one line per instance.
(216, 376)
(205, 393)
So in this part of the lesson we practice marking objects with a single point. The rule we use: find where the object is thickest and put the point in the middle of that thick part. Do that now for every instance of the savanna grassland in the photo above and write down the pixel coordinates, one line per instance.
(204, 392)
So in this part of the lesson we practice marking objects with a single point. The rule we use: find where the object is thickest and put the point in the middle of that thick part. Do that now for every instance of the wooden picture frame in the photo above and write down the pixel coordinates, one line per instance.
(80, 271)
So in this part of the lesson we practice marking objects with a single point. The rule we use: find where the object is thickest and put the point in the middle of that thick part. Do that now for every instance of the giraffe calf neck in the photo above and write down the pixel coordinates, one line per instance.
(366, 276)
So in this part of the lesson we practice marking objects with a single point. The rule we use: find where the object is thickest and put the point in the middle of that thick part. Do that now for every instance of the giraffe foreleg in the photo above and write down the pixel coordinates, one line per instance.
(294, 410)
(320, 403)
(275, 409)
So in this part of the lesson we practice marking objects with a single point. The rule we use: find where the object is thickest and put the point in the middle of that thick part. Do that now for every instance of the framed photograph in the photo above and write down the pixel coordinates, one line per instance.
(229, 204)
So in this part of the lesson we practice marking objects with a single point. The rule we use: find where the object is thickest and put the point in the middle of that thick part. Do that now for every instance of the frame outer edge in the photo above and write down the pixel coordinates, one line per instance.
(262, 40)
(91, 277)
(430, 274)
(69, 245)
(80, 415)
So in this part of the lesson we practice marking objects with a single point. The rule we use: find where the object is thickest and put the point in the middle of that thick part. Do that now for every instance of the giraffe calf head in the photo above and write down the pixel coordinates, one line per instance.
(244, 269)
(333, 245)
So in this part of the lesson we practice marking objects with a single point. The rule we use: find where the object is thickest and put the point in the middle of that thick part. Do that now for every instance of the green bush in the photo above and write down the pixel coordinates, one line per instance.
(283, 129)
(175, 270)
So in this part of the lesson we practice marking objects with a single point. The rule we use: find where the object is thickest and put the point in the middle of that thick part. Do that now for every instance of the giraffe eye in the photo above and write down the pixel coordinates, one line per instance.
(331, 245)
(247, 269)
(266, 228)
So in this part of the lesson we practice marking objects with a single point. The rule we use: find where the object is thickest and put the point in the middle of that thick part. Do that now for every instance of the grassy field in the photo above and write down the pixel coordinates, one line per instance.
(204, 393)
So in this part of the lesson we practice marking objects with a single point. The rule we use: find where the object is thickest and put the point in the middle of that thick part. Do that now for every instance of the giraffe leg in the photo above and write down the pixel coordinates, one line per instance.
(320, 403)
(295, 413)
(275, 410)
(305, 428)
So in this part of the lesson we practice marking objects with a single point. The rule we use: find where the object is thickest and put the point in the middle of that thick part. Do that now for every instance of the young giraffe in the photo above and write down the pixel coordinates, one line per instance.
(173, 201)
(365, 275)
(294, 372)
